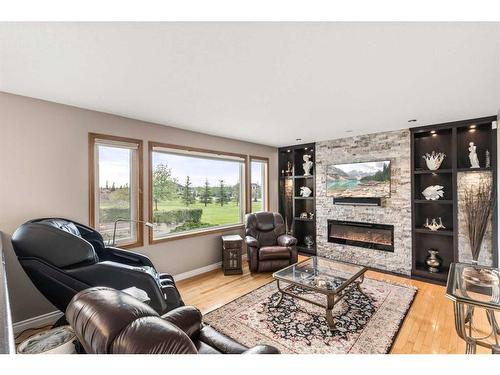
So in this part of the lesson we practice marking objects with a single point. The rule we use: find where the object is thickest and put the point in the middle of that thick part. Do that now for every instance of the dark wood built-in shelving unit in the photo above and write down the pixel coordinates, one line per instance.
(453, 139)
(291, 204)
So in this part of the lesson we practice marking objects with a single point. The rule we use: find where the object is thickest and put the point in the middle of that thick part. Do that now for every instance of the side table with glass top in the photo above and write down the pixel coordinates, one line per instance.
(473, 289)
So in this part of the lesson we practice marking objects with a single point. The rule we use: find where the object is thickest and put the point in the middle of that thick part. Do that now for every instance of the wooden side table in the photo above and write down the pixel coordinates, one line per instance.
(231, 254)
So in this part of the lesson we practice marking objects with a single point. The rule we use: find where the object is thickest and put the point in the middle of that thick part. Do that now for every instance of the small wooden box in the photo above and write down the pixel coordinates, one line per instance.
(231, 254)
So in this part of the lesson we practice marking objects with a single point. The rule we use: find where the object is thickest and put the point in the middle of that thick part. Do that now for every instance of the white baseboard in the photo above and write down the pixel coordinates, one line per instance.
(37, 321)
(198, 271)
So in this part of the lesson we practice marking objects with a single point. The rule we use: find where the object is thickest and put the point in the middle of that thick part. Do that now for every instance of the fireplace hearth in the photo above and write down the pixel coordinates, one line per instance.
(367, 235)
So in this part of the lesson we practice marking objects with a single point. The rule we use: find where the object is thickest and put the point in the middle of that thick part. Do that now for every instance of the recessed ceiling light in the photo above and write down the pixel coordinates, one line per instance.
(472, 127)
(413, 120)
(287, 150)
(433, 132)
(298, 139)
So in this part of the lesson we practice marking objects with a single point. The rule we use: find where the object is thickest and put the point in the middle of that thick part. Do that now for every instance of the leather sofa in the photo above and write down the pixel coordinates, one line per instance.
(108, 321)
(269, 248)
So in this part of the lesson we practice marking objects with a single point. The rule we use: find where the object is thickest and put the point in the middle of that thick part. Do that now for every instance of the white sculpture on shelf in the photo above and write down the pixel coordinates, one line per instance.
(305, 192)
(433, 192)
(434, 225)
(434, 160)
(474, 161)
(307, 165)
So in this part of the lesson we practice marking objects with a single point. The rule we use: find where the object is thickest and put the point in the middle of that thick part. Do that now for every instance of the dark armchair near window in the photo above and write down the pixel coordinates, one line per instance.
(269, 248)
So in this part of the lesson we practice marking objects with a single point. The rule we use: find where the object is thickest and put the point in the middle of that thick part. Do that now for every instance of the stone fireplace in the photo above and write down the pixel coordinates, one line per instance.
(394, 211)
(367, 235)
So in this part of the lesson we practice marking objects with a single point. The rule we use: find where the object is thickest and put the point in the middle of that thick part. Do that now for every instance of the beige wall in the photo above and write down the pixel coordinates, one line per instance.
(44, 172)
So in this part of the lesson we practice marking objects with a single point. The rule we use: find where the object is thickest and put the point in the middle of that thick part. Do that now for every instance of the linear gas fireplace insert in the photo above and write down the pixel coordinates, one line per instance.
(369, 235)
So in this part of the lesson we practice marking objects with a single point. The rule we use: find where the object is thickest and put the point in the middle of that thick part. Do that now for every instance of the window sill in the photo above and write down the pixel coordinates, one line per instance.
(197, 233)
(129, 245)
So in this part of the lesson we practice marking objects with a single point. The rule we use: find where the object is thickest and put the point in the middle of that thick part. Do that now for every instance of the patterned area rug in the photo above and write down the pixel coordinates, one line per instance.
(363, 324)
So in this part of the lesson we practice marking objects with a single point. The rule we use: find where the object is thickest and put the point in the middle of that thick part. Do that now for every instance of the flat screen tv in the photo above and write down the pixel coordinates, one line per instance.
(359, 180)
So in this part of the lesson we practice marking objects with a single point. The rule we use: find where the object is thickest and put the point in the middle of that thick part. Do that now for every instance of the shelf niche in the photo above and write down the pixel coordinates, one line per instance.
(481, 135)
(438, 140)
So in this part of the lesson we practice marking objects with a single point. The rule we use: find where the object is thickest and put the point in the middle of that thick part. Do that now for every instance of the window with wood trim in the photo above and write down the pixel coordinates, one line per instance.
(259, 184)
(116, 189)
(193, 191)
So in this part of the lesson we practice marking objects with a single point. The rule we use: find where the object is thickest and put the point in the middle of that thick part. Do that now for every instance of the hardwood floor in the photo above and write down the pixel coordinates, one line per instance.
(428, 327)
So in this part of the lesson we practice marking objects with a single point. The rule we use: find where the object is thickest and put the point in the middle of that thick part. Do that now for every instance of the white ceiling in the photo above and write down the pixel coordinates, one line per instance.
(268, 83)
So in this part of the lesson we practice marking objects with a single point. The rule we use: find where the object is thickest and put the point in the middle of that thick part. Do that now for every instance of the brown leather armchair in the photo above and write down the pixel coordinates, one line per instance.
(269, 248)
(108, 321)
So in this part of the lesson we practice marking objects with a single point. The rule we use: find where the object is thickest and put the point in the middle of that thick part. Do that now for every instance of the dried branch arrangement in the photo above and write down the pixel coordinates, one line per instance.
(479, 202)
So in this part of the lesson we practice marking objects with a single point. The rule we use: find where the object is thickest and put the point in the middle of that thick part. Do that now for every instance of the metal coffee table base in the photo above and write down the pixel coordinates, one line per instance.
(331, 298)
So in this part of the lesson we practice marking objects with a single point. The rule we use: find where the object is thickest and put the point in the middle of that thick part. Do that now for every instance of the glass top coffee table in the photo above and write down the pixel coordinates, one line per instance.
(324, 276)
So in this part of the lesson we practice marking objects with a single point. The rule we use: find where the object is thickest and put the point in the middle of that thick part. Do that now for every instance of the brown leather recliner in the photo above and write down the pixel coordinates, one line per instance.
(269, 248)
(108, 321)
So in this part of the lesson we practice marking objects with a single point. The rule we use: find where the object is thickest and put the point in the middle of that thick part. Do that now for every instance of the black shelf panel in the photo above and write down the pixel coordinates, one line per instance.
(437, 232)
(422, 271)
(474, 169)
(304, 197)
(439, 201)
(306, 250)
(427, 171)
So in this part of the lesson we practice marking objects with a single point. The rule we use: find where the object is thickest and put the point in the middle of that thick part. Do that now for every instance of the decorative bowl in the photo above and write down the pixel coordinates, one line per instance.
(434, 160)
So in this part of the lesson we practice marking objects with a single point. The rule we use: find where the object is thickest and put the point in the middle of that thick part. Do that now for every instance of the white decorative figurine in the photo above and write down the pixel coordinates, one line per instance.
(434, 225)
(305, 191)
(433, 192)
(434, 160)
(474, 161)
(307, 165)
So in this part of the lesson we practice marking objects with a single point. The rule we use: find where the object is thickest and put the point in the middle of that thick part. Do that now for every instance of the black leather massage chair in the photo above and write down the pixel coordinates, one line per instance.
(63, 257)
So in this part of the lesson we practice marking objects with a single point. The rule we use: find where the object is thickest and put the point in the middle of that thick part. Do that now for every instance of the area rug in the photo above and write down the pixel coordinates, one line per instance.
(363, 324)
